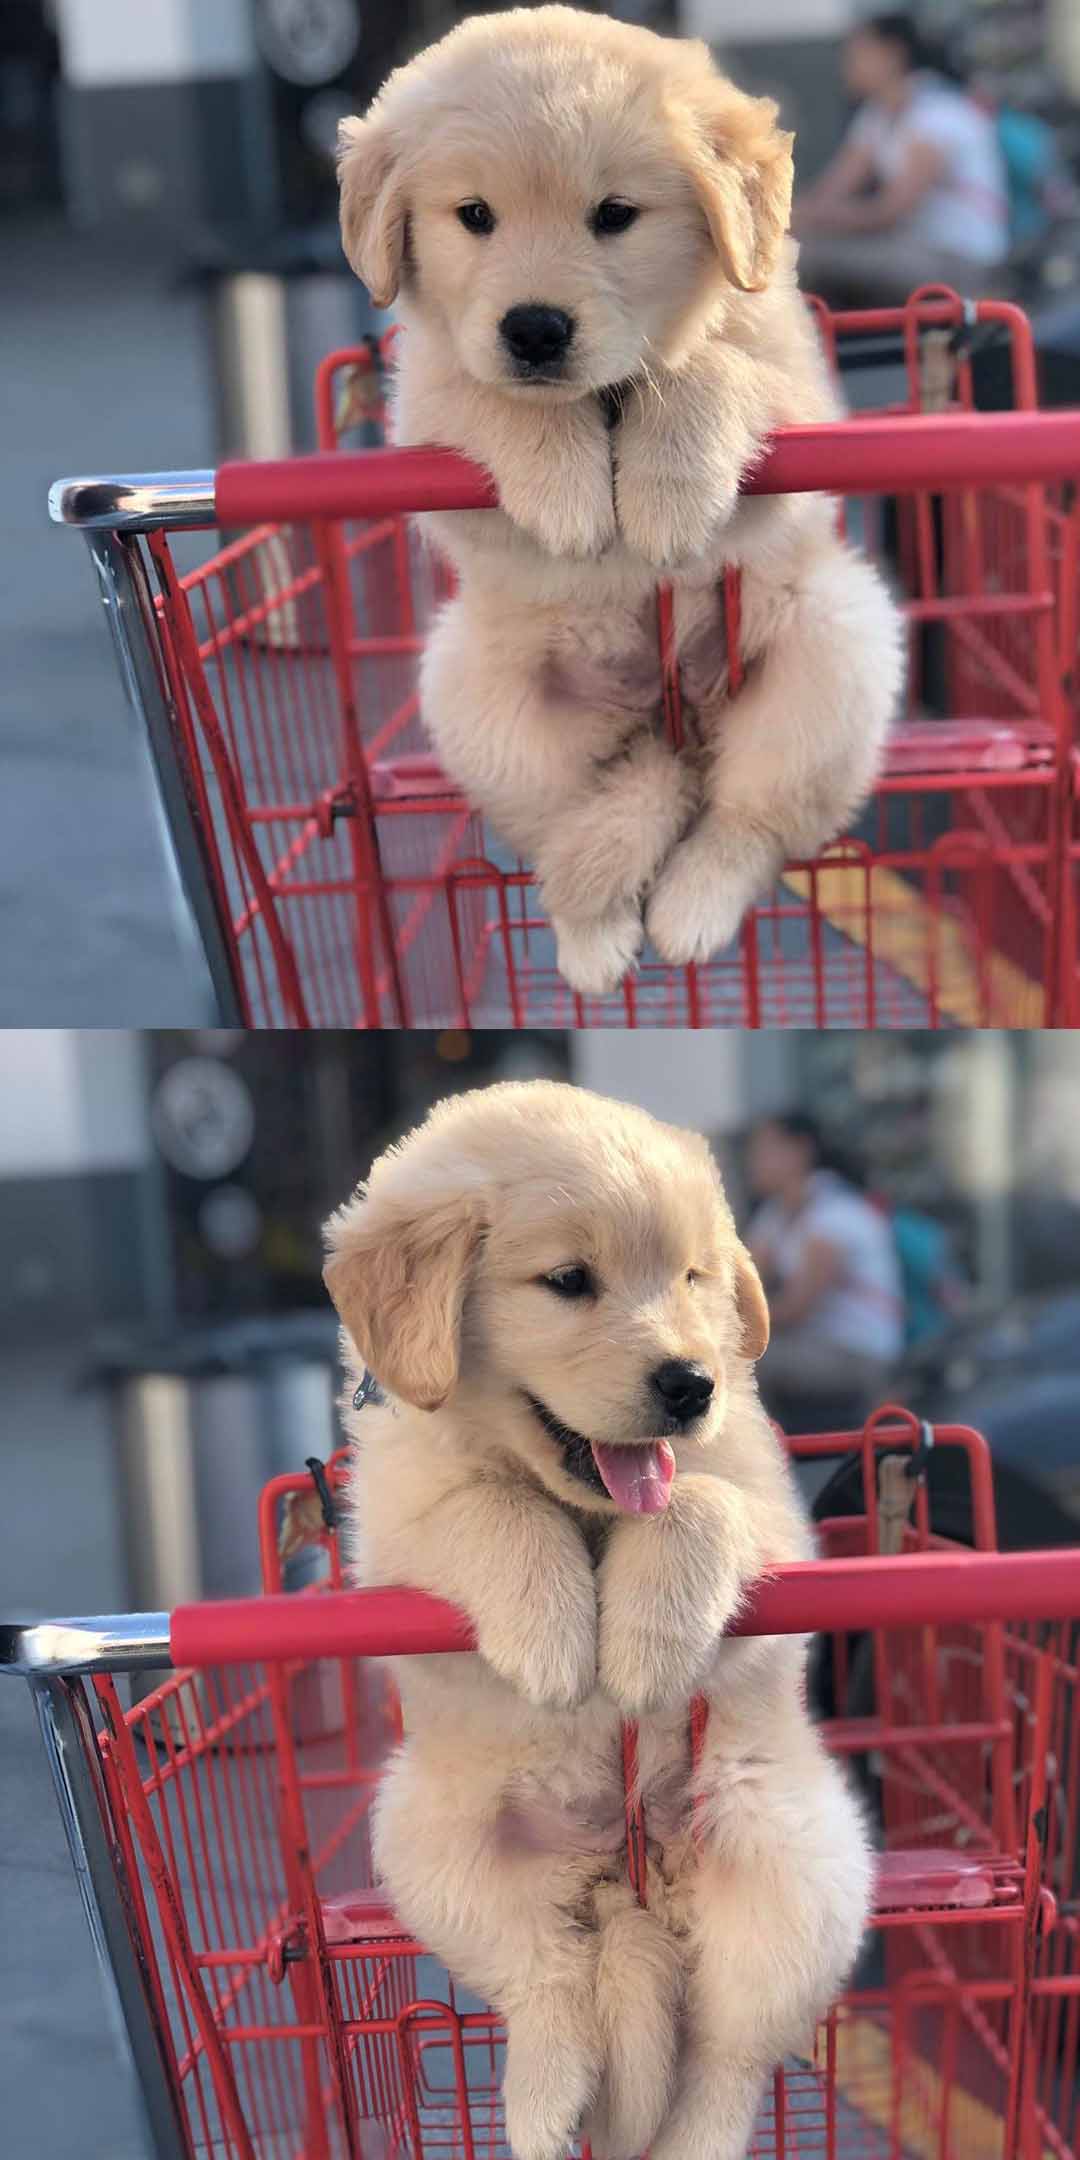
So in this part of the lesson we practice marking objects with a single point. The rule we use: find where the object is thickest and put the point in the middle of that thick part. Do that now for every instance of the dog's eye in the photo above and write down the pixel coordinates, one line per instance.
(613, 215)
(477, 217)
(692, 1276)
(569, 1282)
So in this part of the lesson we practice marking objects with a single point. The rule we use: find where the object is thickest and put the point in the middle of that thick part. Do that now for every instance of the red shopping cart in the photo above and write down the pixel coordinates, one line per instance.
(275, 2007)
(336, 879)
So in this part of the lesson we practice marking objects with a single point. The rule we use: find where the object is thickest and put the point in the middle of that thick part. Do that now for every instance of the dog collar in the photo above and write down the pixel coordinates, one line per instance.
(612, 403)
(368, 1391)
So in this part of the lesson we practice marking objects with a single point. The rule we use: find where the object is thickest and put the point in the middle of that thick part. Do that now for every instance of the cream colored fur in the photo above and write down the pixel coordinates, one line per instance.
(540, 685)
(499, 1825)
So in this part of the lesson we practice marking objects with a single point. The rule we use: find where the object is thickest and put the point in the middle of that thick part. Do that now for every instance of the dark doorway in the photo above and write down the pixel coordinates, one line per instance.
(29, 72)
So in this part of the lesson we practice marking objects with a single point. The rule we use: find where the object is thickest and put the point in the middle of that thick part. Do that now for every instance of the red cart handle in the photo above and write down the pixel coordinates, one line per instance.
(910, 1590)
(852, 457)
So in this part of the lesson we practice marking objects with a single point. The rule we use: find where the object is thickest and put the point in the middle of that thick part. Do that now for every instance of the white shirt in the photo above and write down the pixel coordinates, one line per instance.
(967, 211)
(864, 1310)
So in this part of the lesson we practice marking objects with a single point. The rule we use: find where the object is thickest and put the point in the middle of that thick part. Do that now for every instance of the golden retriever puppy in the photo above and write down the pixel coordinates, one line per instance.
(550, 1289)
(583, 226)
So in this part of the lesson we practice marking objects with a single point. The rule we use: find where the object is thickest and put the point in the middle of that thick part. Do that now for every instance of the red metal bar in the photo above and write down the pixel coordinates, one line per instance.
(1021, 2127)
(162, 1872)
(1002, 682)
(183, 631)
(867, 456)
(906, 1591)
(636, 1852)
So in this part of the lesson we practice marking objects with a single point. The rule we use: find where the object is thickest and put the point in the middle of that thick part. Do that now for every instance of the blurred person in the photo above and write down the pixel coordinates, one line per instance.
(935, 1291)
(1042, 191)
(827, 1258)
(918, 192)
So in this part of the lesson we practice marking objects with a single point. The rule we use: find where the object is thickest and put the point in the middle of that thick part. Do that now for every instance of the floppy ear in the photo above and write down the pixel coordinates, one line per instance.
(742, 167)
(373, 206)
(751, 1305)
(398, 1277)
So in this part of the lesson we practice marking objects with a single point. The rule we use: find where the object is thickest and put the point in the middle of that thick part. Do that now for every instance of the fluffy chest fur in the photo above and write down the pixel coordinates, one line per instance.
(609, 660)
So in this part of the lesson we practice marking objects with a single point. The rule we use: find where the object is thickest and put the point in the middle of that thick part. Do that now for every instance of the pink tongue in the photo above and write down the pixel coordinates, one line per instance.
(639, 1479)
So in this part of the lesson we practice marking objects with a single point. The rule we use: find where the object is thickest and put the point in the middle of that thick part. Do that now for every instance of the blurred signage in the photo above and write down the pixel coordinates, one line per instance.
(308, 42)
(203, 1118)
(319, 60)
(260, 1135)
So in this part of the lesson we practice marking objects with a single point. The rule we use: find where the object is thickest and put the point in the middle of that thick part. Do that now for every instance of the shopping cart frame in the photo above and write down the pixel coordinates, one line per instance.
(941, 453)
(56, 1657)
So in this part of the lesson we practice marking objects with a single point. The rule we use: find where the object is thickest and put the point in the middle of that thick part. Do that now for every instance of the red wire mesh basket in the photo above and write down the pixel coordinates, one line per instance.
(356, 887)
(299, 2019)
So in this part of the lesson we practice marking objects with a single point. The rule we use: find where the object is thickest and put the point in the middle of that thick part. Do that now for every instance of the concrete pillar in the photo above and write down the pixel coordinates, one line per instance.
(976, 1120)
(1050, 1135)
(1063, 41)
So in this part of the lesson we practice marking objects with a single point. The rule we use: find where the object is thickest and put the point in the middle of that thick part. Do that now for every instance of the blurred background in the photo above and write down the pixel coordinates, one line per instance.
(166, 1343)
(171, 275)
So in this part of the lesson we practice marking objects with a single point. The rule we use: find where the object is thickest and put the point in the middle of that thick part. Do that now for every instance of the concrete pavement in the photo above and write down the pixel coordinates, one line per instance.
(64, 2094)
(102, 367)
(63, 2089)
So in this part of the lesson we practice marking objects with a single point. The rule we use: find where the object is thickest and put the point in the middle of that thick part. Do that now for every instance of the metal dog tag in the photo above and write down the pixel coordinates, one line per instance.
(368, 1391)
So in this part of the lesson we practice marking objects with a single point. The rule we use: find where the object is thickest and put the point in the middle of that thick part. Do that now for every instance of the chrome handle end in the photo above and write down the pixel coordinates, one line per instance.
(133, 502)
(118, 1642)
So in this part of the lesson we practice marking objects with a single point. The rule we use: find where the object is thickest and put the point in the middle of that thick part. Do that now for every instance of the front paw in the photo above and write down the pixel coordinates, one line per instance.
(550, 1660)
(668, 1587)
(670, 519)
(568, 512)
(645, 1665)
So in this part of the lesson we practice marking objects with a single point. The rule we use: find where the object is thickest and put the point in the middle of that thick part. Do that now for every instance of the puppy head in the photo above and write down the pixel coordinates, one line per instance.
(561, 1274)
(563, 198)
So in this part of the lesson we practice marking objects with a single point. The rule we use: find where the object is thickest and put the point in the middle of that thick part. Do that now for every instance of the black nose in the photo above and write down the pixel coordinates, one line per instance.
(684, 1389)
(537, 335)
